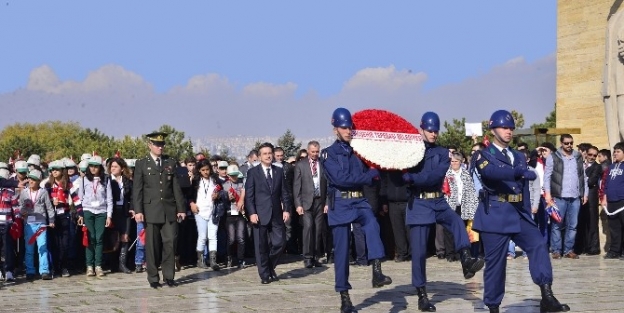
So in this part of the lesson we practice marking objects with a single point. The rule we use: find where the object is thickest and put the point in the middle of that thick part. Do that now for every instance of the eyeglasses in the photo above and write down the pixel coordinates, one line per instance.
(567, 143)
(213, 164)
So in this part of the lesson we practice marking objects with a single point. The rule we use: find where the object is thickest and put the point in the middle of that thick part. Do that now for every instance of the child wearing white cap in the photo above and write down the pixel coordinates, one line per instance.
(8, 205)
(94, 190)
(37, 209)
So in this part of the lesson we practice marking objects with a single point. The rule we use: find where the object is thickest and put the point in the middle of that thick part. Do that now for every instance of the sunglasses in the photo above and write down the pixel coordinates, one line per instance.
(592, 154)
(567, 143)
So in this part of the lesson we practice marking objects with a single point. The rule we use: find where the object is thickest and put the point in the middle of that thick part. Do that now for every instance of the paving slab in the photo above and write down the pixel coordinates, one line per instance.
(589, 284)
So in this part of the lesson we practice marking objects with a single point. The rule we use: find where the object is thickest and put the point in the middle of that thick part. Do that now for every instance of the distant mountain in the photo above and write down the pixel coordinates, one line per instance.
(239, 146)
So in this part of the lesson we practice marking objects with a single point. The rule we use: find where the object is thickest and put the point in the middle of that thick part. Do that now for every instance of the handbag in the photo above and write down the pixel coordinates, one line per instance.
(111, 240)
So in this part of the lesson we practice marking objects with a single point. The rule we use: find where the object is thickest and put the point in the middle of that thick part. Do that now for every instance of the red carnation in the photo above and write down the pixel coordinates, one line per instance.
(385, 140)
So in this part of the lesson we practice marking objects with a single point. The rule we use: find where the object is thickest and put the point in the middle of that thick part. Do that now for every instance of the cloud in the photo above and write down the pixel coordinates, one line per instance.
(387, 79)
(118, 101)
(107, 78)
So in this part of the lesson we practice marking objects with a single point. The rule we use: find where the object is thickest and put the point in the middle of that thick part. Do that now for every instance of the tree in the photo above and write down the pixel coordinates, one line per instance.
(205, 151)
(551, 121)
(25, 144)
(54, 140)
(132, 148)
(257, 145)
(224, 153)
(455, 134)
(287, 142)
(177, 145)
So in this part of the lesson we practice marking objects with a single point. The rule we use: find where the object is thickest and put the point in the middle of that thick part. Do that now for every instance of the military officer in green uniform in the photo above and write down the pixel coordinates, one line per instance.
(158, 201)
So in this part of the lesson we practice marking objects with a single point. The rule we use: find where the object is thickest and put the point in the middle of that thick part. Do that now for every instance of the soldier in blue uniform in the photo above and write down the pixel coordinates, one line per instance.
(346, 175)
(504, 213)
(426, 206)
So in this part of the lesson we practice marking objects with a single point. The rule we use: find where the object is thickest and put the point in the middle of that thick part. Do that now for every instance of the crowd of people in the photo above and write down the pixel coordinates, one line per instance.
(98, 215)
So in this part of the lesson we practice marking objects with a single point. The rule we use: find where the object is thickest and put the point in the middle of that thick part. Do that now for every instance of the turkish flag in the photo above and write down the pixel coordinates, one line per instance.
(85, 236)
(486, 140)
(36, 234)
(236, 196)
(17, 229)
(446, 188)
(142, 236)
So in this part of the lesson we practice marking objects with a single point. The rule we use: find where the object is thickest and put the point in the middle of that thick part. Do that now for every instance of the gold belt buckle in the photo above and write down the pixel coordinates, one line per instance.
(351, 194)
(429, 195)
(510, 198)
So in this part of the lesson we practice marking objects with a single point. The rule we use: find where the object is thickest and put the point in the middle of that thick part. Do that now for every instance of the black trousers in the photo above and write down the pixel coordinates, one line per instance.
(616, 229)
(396, 211)
(269, 242)
(60, 244)
(160, 247)
(313, 229)
(294, 231)
(587, 240)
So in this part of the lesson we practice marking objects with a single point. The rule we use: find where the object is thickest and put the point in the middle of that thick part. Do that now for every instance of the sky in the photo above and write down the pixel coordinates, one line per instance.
(252, 68)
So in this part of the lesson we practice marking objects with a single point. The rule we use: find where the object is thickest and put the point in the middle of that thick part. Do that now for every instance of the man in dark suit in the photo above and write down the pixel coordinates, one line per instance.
(158, 201)
(267, 202)
(310, 196)
(587, 240)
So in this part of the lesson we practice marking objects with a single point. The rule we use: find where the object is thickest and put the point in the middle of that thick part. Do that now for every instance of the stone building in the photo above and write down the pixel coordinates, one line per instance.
(581, 43)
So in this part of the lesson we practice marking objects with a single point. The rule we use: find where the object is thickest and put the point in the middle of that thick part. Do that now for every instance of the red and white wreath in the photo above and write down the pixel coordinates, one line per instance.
(385, 140)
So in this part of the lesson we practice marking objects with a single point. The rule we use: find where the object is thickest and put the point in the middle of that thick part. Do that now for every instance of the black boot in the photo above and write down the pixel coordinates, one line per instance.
(493, 309)
(549, 303)
(213, 261)
(379, 279)
(330, 257)
(123, 255)
(423, 301)
(345, 303)
(201, 262)
(178, 266)
(470, 264)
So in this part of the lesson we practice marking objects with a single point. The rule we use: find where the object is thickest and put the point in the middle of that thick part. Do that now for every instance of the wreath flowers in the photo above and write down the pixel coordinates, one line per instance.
(385, 140)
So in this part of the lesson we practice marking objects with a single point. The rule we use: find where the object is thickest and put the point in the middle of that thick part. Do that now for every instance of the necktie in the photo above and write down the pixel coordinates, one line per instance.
(269, 179)
(314, 171)
(506, 154)
(158, 162)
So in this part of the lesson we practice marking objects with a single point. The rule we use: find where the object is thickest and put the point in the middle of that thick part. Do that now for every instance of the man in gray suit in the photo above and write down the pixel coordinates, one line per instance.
(310, 197)
(158, 201)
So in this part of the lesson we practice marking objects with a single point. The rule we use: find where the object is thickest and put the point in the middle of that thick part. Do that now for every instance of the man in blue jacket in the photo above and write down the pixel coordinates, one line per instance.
(504, 213)
(346, 176)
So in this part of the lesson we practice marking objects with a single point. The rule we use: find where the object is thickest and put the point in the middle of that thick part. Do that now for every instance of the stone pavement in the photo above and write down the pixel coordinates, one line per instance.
(590, 284)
